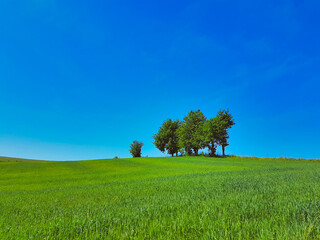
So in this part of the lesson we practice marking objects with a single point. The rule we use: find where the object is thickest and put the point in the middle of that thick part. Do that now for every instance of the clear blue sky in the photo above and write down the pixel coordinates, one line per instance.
(83, 79)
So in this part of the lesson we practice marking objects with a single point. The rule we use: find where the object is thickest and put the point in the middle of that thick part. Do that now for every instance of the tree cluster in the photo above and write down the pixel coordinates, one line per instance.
(195, 132)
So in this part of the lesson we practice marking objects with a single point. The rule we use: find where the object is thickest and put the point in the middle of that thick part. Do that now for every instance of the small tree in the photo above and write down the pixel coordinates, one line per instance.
(135, 148)
(167, 138)
(224, 121)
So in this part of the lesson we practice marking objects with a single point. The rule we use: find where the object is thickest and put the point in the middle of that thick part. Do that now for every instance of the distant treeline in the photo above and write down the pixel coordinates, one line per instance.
(195, 132)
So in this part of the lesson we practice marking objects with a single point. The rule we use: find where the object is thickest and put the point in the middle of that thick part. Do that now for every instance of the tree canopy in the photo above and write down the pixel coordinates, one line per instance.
(135, 148)
(167, 137)
(191, 131)
(211, 132)
(224, 121)
(195, 132)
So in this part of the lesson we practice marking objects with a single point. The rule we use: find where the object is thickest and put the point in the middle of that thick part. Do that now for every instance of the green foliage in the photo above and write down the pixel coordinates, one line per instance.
(191, 132)
(194, 133)
(224, 121)
(135, 149)
(210, 130)
(167, 138)
(160, 198)
(216, 131)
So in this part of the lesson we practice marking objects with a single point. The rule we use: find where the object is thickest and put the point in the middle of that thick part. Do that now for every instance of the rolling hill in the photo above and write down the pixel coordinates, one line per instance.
(160, 198)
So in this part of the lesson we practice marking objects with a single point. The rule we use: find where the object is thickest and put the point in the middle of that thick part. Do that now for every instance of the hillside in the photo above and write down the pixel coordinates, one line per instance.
(160, 198)
(11, 159)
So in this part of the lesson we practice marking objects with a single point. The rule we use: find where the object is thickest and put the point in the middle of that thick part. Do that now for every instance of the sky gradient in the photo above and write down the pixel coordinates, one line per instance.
(83, 79)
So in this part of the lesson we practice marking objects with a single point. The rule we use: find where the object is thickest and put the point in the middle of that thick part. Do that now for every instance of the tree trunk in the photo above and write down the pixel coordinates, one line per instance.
(212, 149)
(196, 151)
(223, 150)
(171, 154)
(176, 154)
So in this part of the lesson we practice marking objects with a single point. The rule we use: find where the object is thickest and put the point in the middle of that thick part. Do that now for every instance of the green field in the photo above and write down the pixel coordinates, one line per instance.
(160, 198)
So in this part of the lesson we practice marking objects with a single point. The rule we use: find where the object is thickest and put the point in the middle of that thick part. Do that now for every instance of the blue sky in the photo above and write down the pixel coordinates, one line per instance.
(83, 79)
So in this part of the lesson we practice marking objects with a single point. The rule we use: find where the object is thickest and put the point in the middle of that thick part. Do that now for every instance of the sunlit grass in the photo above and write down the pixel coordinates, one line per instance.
(160, 198)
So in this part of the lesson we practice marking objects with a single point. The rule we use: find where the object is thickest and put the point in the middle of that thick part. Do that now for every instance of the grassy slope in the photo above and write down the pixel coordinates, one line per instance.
(160, 198)
(11, 159)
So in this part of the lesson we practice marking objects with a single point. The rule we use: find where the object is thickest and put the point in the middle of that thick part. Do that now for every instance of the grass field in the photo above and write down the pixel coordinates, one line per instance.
(160, 198)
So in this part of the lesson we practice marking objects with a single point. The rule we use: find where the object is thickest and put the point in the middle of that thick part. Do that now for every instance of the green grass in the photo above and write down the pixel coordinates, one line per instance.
(160, 198)
(10, 159)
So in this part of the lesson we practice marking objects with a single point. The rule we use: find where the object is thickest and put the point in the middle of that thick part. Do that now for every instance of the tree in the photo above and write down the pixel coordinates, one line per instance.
(191, 132)
(167, 138)
(224, 121)
(224, 143)
(210, 135)
(135, 148)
